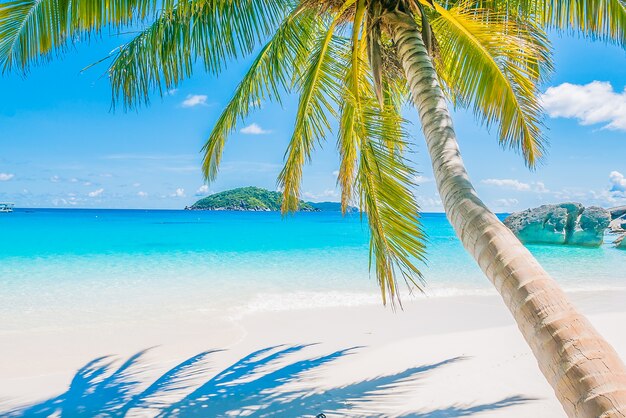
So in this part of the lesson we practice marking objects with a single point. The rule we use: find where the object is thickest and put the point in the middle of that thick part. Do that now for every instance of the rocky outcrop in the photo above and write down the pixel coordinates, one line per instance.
(546, 224)
(590, 227)
(618, 220)
(563, 224)
(618, 212)
(618, 225)
(621, 242)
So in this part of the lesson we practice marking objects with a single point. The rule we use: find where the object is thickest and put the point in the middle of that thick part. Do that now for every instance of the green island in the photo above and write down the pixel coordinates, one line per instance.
(256, 199)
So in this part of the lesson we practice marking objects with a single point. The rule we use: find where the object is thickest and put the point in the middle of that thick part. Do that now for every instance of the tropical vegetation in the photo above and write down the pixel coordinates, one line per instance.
(258, 199)
(246, 199)
(359, 62)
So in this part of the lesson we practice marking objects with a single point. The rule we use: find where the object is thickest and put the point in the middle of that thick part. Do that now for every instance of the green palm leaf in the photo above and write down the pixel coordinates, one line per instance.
(490, 63)
(213, 31)
(385, 181)
(319, 89)
(350, 134)
(372, 145)
(269, 75)
(598, 19)
(31, 31)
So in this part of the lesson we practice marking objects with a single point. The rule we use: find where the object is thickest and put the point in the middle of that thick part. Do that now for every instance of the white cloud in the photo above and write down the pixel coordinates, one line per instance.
(605, 199)
(540, 187)
(149, 157)
(430, 204)
(506, 203)
(613, 195)
(250, 167)
(71, 200)
(142, 194)
(55, 179)
(569, 194)
(58, 202)
(422, 179)
(254, 129)
(178, 193)
(336, 173)
(136, 184)
(96, 193)
(182, 168)
(193, 100)
(508, 184)
(618, 182)
(6, 176)
(325, 195)
(593, 103)
(203, 190)
(171, 92)
(512, 184)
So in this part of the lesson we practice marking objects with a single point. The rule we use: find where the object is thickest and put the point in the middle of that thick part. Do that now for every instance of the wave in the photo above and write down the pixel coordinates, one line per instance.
(305, 300)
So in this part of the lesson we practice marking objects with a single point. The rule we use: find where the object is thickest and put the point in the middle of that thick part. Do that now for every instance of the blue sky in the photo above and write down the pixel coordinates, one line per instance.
(62, 146)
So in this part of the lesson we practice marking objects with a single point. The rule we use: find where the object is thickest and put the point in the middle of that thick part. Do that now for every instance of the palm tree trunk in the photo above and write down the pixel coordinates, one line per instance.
(586, 373)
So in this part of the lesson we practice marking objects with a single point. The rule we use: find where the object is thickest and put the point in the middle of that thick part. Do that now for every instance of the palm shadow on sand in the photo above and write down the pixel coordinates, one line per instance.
(265, 383)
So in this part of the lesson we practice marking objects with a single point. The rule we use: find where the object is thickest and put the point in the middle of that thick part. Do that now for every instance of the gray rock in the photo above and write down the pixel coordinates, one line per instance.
(618, 225)
(621, 242)
(564, 224)
(590, 227)
(546, 224)
(618, 212)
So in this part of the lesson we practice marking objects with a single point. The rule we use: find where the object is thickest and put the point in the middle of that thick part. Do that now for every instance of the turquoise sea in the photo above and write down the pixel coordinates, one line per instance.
(80, 266)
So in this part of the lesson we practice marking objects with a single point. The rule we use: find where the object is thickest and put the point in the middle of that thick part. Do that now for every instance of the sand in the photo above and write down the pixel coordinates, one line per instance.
(439, 357)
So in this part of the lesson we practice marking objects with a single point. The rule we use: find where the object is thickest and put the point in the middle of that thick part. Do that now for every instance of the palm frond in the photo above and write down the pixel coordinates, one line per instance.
(319, 89)
(386, 180)
(350, 136)
(603, 20)
(269, 75)
(212, 31)
(598, 19)
(86, 16)
(490, 63)
(32, 31)
(372, 146)
(374, 48)
(26, 28)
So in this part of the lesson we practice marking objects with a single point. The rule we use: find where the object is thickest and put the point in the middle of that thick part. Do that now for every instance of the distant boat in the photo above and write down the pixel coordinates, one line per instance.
(6, 207)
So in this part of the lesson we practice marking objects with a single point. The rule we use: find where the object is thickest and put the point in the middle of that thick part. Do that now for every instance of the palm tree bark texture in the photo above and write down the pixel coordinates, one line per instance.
(587, 375)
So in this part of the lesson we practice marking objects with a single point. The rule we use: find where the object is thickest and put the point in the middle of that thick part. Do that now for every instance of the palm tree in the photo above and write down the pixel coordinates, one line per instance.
(360, 61)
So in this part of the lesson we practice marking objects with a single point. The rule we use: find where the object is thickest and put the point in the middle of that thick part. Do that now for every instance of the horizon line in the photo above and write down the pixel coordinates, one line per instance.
(183, 210)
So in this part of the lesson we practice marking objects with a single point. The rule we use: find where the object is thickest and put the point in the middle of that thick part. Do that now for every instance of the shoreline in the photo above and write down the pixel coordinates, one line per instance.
(140, 310)
(480, 356)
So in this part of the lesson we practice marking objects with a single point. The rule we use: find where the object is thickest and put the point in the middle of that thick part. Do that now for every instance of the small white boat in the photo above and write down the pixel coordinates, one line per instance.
(6, 207)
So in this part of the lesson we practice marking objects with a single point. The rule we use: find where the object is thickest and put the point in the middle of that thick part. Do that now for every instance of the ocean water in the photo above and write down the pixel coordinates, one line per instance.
(79, 266)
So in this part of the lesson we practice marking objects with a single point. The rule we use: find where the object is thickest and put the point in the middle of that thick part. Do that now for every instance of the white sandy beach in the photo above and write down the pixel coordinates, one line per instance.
(440, 357)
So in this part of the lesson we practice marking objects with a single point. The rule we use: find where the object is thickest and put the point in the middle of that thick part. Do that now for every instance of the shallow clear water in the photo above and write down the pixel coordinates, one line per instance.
(86, 265)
